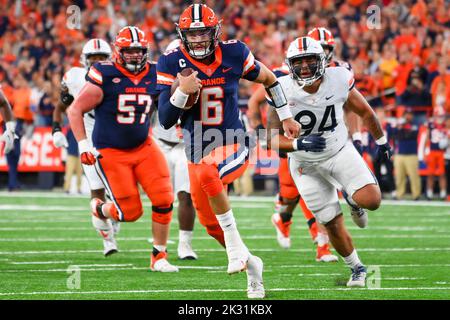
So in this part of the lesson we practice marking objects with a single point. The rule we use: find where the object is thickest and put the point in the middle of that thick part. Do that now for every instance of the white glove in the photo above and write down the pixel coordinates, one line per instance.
(8, 136)
(60, 140)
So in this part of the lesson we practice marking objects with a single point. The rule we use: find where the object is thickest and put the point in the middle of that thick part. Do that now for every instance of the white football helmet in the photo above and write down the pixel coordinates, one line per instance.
(93, 47)
(299, 49)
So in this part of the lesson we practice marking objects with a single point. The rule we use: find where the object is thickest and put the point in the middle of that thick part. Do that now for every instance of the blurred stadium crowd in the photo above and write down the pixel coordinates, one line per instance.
(402, 65)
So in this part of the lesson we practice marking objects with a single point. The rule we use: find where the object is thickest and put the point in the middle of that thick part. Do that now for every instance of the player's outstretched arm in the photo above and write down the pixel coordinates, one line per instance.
(354, 128)
(276, 94)
(276, 139)
(6, 113)
(59, 139)
(89, 97)
(359, 105)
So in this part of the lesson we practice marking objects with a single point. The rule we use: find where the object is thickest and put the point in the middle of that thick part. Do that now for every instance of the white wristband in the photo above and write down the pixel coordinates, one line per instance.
(179, 98)
(294, 145)
(84, 146)
(10, 126)
(284, 112)
(381, 141)
(357, 136)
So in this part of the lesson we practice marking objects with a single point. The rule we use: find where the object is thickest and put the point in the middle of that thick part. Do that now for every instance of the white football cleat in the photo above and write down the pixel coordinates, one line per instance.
(185, 251)
(358, 277)
(160, 263)
(237, 260)
(283, 231)
(255, 285)
(237, 252)
(109, 247)
(360, 217)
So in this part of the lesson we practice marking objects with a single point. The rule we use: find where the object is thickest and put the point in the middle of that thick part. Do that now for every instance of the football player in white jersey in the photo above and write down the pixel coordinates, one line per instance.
(171, 143)
(93, 51)
(323, 158)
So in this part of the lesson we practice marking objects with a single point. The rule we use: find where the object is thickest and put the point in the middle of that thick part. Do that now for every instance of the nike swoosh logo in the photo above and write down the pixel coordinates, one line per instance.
(328, 98)
(148, 82)
(305, 142)
(225, 70)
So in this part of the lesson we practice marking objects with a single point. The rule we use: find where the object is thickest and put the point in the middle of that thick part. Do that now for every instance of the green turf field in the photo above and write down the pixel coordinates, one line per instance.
(44, 235)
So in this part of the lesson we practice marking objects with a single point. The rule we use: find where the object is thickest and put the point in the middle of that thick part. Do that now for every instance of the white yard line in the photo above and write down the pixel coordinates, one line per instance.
(59, 195)
(39, 262)
(108, 267)
(213, 290)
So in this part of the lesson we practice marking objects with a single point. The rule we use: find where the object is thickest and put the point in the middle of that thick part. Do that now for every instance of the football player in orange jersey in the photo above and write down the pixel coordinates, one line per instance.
(122, 93)
(217, 66)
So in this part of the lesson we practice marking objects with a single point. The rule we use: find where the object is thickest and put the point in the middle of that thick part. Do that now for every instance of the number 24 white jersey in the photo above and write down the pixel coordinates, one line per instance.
(321, 112)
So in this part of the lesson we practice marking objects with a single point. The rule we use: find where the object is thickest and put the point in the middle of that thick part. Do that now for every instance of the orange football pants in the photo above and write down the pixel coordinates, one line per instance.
(209, 177)
(121, 171)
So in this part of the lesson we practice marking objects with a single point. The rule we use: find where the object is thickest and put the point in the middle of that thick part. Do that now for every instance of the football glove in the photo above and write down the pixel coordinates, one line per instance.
(8, 137)
(384, 151)
(312, 143)
(60, 140)
(88, 154)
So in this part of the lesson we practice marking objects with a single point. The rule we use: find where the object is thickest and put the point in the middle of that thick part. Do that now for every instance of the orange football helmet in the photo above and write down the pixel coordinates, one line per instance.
(127, 39)
(199, 19)
(326, 39)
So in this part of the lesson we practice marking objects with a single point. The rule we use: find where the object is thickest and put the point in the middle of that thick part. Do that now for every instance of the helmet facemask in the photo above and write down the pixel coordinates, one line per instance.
(329, 55)
(87, 63)
(200, 49)
(315, 68)
(136, 63)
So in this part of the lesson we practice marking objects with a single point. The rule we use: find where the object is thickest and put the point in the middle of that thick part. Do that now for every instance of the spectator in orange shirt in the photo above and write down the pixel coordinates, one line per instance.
(440, 87)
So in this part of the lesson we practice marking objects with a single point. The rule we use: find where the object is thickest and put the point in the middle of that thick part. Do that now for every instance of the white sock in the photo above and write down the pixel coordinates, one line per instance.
(443, 194)
(429, 193)
(231, 234)
(226, 221)
(322, 239)
(185, 236)
(160, 248)
(353, 260)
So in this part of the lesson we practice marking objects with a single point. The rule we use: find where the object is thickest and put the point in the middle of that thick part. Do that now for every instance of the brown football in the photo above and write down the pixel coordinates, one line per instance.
(193, 97)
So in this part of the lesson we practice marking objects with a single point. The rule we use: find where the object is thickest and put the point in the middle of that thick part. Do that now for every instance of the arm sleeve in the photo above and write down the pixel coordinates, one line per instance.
(250, 67)
(168, 114)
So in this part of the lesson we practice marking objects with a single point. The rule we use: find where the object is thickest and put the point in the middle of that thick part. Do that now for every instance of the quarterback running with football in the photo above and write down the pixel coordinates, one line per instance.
(95, 50)
(122, 92)
(171, 143)
(323, 159)
(215, 157)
